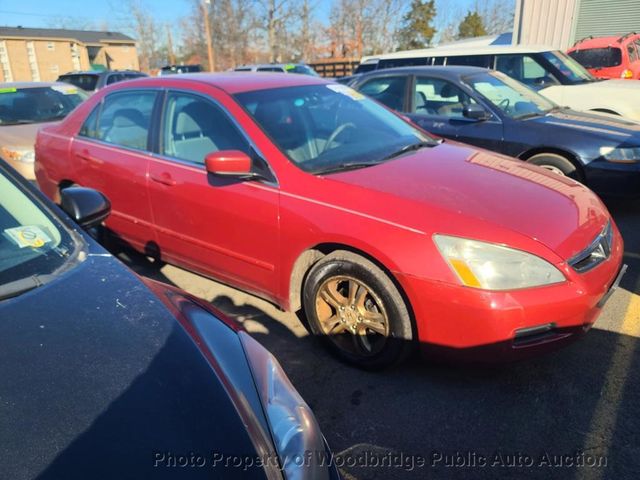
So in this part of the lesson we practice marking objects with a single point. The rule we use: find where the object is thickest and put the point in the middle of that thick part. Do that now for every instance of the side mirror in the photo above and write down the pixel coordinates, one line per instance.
(86, 206)
(474, 111)
(229, 163)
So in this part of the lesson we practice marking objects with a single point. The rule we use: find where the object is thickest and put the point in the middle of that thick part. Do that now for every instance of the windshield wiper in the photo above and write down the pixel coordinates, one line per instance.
(341, 167)
(18, 287)
(409, 148)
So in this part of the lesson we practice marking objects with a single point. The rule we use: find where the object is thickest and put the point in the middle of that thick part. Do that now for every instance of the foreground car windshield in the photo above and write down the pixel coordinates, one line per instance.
(571, 69)
(32, 242)
(39, 104)
(323, 127)
(510, 96)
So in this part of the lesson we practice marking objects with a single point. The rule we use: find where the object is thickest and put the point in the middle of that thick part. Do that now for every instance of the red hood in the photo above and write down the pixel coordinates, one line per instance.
(453, 180)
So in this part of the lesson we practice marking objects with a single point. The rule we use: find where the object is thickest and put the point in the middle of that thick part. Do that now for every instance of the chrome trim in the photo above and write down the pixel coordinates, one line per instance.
(597, 252)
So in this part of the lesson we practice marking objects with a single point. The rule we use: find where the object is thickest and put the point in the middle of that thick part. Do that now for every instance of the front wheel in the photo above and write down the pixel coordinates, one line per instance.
(557, 164)
(357, 311)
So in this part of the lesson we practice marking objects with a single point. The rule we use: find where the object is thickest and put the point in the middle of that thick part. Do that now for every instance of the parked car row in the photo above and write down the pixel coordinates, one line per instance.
(553, 73)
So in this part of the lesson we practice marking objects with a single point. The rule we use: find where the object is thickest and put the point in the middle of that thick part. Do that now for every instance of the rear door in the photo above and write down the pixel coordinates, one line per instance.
(111, 154)
(437, 107)
(221, 226)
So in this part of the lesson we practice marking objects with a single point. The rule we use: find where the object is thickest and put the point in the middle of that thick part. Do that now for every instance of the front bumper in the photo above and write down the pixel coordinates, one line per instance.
(462, 322)
(613, 179)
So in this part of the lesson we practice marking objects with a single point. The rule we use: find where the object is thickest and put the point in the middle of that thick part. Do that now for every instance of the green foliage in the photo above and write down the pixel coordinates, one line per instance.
(417, 25)
(472, 26)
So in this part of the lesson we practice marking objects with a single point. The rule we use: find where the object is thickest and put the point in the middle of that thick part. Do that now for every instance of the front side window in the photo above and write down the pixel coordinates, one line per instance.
(194, 127)
(633, 53)
(389, 91)
(125, 119)
(270, 69)
(37, 105)
(434, 96)
(323, 128)
(32, 241)
(598, 57)
(510, 96)
(525, 69)
(568, 67)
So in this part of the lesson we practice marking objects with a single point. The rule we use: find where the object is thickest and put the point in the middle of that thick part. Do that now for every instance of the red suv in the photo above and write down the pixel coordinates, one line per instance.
(609, 57)
(307, 193)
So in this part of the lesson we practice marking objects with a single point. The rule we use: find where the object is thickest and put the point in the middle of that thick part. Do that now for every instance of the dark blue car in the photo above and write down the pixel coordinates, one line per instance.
(491, 110)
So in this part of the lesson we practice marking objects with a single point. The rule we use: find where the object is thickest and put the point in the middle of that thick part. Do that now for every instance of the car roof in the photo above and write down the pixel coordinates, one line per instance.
(22, 85)
(233, 82)
(460, 50)
(453, 71)
(600, 42)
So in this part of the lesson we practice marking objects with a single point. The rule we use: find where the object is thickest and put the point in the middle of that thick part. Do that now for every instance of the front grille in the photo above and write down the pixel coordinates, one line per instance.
(596, 253)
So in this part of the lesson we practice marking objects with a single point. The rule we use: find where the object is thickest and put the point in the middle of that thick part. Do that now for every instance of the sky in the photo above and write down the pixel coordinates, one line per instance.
(38, 13)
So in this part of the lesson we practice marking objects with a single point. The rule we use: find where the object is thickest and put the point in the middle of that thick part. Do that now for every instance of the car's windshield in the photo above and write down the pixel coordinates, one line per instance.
(572, 70)
(86, 81)
(512, 97)
(37, 104)
(598, 57)
(32, 241)
(323, 127)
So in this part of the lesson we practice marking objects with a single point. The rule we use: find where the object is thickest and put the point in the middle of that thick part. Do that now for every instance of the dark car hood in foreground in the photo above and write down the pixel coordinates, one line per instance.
(97, 375)
(453, 189)
(605, 127)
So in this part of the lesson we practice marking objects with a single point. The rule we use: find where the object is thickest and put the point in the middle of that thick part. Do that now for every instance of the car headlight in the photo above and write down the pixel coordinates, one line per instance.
(494, 267)
(621, 154)
(295, 430)
(24, 155)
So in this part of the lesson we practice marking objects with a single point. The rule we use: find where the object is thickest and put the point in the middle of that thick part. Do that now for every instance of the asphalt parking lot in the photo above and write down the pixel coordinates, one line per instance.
(569, 414)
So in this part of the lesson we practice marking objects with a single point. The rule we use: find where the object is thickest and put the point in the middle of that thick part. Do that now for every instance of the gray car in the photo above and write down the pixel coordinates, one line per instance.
(92, 81)
(278, 67)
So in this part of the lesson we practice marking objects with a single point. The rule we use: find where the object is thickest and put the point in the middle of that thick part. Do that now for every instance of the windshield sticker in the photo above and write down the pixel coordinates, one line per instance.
(64, 89)
(8, 90)
(289, 67)
(344, 90)
(28, 236)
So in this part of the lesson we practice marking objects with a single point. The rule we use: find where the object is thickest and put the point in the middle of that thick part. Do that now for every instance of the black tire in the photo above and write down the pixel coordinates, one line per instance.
(558, 164)
(378, 296)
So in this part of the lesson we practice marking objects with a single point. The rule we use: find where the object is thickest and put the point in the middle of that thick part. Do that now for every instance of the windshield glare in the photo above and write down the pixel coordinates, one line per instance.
(32, 242)
(320, 127)
(510, 96)
(39, 104)
(572, 70)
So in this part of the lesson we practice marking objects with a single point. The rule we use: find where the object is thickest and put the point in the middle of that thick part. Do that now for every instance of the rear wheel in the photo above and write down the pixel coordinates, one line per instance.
(355, 308)
(557, 164)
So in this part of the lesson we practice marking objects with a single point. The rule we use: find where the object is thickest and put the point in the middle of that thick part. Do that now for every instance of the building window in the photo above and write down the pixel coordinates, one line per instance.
(4, 63)
(51, 46)
(33, 62)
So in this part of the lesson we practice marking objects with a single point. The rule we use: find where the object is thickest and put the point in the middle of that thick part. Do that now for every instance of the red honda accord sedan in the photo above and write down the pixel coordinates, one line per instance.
(320, 200)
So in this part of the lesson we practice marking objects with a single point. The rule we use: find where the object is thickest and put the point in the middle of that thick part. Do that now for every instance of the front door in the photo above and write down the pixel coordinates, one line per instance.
(221, 226)
(438, 108)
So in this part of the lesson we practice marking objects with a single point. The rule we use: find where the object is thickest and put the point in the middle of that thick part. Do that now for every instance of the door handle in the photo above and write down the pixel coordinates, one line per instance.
(164, 178)
(84, 155)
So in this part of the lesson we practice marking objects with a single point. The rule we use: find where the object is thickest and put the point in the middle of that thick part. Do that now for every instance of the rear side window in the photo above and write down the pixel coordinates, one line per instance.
(598, 57)
(90, 126)
(633, 53)
(270, 69)
(116, 77)
(389, 91)
(125, 119)
(194, 127)
(484, 61)
(404, 62)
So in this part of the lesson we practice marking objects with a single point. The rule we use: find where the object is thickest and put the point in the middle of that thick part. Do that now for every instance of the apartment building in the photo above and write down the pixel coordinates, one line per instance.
(41, 54)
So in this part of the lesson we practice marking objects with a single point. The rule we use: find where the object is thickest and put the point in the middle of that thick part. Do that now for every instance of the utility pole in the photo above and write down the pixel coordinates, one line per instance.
(207, 32)
(172, 57)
